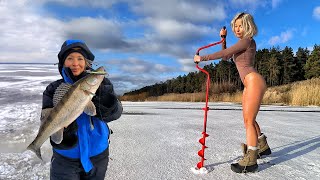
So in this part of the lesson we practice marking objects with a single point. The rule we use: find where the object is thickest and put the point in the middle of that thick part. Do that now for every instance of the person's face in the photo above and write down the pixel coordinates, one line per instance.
(76, 62)
(238, 29)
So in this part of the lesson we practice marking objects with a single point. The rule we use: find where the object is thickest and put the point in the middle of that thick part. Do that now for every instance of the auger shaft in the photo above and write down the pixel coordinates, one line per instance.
(202, 141)
(204, 133)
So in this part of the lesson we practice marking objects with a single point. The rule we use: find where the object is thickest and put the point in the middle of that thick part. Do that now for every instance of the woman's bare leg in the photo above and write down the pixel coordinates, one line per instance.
(256, 125)
(252, 96)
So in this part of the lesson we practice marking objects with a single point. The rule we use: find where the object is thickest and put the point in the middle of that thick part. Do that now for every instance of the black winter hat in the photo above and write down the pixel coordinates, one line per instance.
(70, 46)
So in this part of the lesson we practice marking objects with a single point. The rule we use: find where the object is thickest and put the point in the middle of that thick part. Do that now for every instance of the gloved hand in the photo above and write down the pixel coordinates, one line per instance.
(105, 104)
(108, 107)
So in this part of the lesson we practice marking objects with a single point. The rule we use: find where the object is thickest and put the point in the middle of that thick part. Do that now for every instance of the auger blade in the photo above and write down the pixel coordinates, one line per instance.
(202, 141)
(201, 153)
(205, 134)
(199, 165)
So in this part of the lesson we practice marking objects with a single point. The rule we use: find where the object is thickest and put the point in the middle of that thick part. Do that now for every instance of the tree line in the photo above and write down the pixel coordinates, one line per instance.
(277, 66)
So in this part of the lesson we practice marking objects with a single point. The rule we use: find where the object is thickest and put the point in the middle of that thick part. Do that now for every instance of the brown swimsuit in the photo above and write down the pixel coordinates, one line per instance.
(244, 52)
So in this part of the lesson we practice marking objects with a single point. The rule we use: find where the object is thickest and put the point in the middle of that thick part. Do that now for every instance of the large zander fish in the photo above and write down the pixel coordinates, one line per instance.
(75, 101)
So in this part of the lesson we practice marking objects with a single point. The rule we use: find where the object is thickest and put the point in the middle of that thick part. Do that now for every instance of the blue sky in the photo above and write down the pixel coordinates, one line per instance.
(142, 42)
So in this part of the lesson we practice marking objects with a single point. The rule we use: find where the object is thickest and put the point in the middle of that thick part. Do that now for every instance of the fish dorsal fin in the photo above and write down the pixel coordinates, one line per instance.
(60, 92)
(58, 136)
(90, 109)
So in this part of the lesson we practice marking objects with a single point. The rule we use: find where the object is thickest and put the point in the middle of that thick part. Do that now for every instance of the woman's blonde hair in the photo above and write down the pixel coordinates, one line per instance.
(249, 27)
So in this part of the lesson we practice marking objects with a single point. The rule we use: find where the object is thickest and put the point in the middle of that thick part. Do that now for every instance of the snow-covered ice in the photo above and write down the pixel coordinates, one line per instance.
(159, 140)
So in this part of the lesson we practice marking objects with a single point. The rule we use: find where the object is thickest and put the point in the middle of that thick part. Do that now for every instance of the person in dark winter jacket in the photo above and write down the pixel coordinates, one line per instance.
(84, 150)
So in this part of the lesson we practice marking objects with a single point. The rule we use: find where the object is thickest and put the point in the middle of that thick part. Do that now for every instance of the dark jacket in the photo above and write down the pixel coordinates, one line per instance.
(108, 108)
(87, 136)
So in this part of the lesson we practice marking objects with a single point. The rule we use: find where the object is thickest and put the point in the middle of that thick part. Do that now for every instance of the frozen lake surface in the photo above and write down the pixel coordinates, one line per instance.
(159, 140)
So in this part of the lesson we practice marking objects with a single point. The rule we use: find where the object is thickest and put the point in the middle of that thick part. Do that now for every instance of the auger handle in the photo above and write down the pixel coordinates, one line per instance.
(209, 45)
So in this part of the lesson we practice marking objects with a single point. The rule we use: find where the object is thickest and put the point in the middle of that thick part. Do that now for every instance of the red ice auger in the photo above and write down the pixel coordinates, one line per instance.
(200, 166)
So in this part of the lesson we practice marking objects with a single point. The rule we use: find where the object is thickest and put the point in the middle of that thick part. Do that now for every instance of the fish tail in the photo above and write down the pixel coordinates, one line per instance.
(36, 150)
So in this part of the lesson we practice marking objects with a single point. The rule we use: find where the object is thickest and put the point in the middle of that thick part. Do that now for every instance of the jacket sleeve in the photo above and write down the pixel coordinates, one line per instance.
(226, 54)
(108, 106)
(47, 97)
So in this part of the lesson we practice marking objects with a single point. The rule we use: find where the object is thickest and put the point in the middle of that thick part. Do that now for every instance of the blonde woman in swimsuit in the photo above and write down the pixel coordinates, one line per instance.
(243, 53)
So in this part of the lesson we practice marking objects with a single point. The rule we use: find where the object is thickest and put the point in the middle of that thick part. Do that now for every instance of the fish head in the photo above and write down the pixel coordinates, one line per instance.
(92, 81)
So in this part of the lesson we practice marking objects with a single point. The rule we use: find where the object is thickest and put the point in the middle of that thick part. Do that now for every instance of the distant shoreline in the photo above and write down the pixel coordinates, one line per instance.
(299, 93)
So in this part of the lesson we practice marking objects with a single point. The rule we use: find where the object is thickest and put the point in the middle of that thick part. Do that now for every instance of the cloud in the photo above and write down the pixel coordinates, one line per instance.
(275, 3)
(248, 5)
(136, 73)
(125, 84)
(187, 64)
(82, 3)
(162, 36)
(282, 38)
(26, 36)
(98, 32)
(186, 11)
(167, 28)
(170, 30)
(138, 66)
(316, 13)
